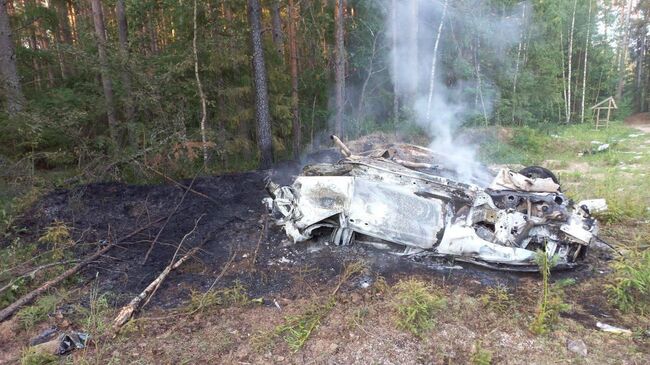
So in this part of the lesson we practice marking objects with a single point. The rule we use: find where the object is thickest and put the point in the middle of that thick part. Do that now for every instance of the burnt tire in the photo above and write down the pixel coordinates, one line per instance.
(538, 172)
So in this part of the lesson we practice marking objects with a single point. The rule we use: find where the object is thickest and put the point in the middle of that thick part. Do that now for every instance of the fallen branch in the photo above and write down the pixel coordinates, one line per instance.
(33, 272)
(153, 243)
(29, 297)
(127, 311)
(179, 184)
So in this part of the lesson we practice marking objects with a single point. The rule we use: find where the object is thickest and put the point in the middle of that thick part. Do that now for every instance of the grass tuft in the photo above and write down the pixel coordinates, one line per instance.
(34, 356)
(630, 291)
(235, 295)
(34, 314)
(480, 355)
(415, 306)
(296, 330)
(498, 299)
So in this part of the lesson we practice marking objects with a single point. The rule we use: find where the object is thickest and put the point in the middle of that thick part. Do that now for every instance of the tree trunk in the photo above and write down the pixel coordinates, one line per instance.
(107, 83)
(199, 86)
(394, 61)
(478, 77)
(584, 67)
(262, 114)
(570, 60)
(123, 34)
(339, 69)
(276, 22)
(11, 82)
(623, 50)
(293, 54)
(433, 61)
(514, 81)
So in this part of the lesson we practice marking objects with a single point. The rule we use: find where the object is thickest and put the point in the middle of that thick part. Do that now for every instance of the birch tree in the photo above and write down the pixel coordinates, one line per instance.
(519, 48)
(123, 35)
(569, 63)
(339, 67)
(199, 86)
(623, 51)
(433, 61)
(584, 67)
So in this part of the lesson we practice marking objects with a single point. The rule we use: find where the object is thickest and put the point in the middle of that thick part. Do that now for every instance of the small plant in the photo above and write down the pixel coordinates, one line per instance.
(631, 288)
(481, 356)
(552, 300)
(231, 296)
(57, 234)
(415, 305)
(93, 317)
(296, 330)
(33, 356)
(29, 316)
(498, 299)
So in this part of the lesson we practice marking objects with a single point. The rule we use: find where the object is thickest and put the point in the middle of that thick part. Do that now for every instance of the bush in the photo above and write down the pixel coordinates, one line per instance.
(415, 306)
(631, 288)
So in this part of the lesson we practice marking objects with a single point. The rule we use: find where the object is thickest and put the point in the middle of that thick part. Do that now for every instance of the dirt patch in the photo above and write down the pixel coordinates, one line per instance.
(640, 121)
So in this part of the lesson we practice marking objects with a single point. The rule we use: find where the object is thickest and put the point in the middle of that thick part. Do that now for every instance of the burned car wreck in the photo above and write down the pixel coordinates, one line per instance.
(402, 198)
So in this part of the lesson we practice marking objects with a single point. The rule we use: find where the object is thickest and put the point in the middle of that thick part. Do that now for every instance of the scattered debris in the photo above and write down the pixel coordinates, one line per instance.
(577, 346)
(402, 198)
(52, 341)
(609, 328)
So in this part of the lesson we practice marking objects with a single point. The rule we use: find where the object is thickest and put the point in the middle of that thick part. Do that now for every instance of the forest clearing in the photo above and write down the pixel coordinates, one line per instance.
(324, 182)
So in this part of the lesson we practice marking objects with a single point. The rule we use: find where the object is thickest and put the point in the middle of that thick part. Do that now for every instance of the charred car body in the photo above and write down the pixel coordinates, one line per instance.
(397, 198)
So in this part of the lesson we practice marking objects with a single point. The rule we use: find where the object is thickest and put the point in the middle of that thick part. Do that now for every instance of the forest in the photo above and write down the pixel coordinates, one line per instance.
(234, 85)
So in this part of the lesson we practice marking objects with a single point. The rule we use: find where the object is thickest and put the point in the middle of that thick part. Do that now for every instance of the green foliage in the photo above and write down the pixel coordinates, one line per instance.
(480, 355)
(297, 329)
(35, 356)
(38, 312)
(498, 299)
(235, 295)
(415, 306)
(630, 290)
(551, 302)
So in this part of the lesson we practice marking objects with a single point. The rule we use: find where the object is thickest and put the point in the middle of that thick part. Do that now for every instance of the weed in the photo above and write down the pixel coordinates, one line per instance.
(481, 356)
(263, 341)
(631, 288)
(552, 300)
(296, 330)
(415, 305)
(498, 299)
(29, 316)
(231, 296)
(57, 234)
(34, 356)
(94, 316)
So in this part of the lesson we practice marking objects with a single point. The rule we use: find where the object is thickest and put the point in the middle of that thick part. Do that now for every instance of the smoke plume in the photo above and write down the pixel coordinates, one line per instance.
(440, 105)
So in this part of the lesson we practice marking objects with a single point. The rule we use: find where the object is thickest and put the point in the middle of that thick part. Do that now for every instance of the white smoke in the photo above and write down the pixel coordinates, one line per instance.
(415, 24)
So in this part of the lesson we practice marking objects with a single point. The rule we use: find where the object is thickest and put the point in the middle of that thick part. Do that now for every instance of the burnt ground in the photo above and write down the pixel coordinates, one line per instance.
(236, 237)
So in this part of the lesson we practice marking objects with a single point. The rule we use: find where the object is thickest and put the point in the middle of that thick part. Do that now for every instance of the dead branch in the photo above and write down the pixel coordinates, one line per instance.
(153, 243)
(127, 311)
(181, 185)
(344, 149)
(33, 272)
(29, 297)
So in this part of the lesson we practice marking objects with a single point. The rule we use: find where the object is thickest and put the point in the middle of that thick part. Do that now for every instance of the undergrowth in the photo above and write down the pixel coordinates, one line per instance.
(415, 306)
(234, 295)
(297, 329)
(551, 302)
(630, 291)
(38, 312)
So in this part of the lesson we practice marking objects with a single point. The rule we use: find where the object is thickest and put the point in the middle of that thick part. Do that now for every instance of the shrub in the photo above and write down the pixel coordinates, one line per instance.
(415, 306)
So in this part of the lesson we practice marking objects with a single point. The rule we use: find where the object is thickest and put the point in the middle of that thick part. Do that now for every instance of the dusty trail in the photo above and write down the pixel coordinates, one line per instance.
(640, 121)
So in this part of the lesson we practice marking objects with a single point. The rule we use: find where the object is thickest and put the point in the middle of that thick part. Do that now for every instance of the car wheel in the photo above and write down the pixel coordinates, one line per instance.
(538, 172)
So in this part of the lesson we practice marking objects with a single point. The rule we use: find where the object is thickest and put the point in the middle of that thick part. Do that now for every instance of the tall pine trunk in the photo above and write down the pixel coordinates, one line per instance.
(8, 69)
(123, 34)
(262, 114)
(623, 52)
(393, 30)
(339, 67)
(293, 54)
(276, 22)
(519, 48)
(107, 83)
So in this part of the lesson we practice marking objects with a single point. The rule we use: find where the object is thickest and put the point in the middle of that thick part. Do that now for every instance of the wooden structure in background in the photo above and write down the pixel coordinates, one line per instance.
(608, 104)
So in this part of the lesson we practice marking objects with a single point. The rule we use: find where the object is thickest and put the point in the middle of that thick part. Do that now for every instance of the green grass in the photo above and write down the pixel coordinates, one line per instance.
(297, 329)
(34, 356)
(480, 355)
(235, 295)
(415, 306)
(38, 312)
(630, 291)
